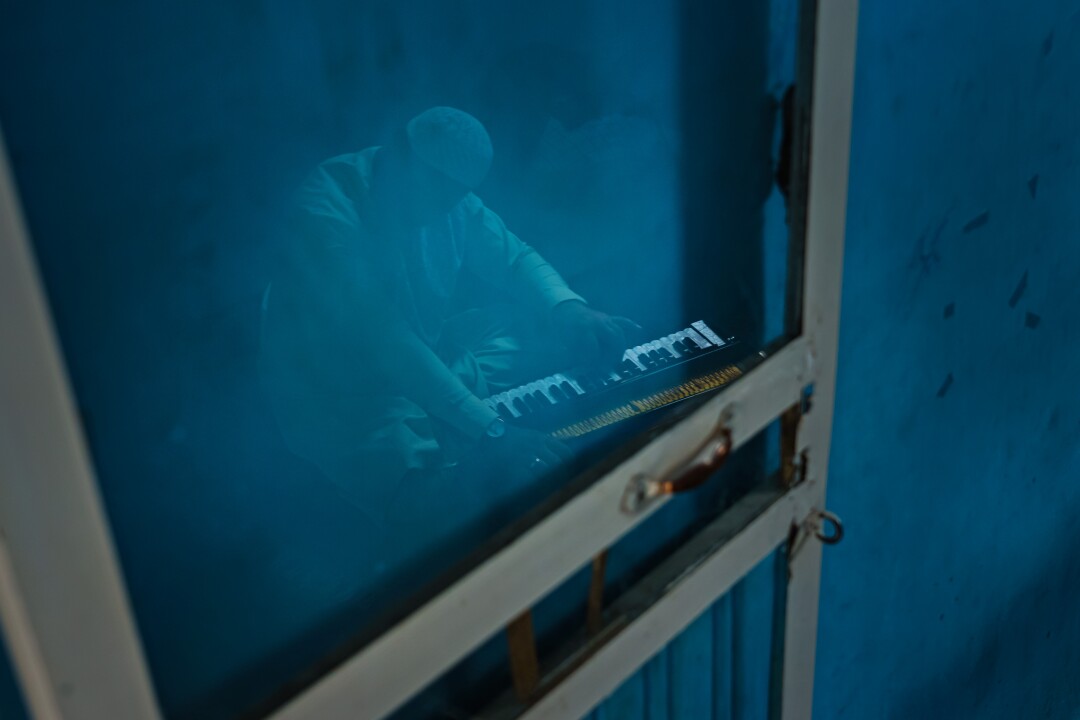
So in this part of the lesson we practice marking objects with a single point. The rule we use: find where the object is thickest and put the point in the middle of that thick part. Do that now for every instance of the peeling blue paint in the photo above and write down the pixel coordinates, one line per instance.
(953, 594)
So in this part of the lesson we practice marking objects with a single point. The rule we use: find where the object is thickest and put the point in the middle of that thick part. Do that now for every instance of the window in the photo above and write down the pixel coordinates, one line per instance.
(284, 424)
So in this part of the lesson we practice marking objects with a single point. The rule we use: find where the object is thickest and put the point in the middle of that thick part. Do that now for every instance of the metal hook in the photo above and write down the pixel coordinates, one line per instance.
(837, 533)
(812, 526)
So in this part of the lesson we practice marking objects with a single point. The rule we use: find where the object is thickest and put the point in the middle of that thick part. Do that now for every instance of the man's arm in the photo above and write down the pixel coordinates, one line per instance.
(363, 329)
(412, 369)
(497, 255)
(500, 257)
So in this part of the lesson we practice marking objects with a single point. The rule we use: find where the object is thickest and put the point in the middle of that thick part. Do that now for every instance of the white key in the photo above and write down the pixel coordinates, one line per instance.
(631, 355)
(697, 338)
(544, 387)
(531, 387)
(509, 401)
(573, 383)
(708, 333)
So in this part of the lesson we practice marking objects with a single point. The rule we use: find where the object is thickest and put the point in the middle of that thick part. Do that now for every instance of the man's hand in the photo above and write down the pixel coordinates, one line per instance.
(594, 337)
(521, 450)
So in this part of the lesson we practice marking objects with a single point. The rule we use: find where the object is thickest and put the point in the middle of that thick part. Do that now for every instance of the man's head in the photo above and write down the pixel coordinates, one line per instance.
(452, 142)
(442, 155)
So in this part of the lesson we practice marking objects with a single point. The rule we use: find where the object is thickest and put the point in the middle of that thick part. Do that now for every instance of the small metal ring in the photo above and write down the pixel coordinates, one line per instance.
(637, 494)
(837, 533)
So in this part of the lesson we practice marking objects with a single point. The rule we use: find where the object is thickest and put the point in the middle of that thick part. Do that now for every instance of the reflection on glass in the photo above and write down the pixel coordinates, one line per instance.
(344, 289)
(399, 398)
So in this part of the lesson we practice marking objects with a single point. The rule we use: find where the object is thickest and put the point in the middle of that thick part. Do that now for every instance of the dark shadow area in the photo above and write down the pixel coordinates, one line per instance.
(1001, 672)
(11, 702)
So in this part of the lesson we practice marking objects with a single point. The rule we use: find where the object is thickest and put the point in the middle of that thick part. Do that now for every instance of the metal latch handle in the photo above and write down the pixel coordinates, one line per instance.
(706, 461)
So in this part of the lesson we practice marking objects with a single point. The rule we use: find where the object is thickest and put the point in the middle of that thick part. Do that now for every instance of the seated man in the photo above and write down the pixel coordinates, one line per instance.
(372, 378)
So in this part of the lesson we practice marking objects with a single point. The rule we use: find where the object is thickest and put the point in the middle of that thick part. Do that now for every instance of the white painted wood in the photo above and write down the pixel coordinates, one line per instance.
(30, 667)
(800, 629)
(62, 601)
(834, 73)
(648, 634)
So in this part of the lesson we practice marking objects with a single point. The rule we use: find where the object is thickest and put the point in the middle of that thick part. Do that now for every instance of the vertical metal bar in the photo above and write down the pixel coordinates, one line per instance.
(74, 643)
(594, 615)
(800, 632)
(524, 662)
(834, 61)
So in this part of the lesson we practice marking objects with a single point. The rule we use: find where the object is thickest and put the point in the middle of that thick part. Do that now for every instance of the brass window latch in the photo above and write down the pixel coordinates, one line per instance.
(714, 451)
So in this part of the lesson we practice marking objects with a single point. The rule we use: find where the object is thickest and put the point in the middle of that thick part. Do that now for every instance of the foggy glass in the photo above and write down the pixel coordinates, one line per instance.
(346, 289)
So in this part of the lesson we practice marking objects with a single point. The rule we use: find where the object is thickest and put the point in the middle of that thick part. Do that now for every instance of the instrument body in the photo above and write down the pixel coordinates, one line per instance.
(652, 375)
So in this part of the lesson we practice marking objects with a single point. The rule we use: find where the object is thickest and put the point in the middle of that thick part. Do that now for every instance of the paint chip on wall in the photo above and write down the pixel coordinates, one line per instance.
(1019, 291)
(945, 386)
(977, 222)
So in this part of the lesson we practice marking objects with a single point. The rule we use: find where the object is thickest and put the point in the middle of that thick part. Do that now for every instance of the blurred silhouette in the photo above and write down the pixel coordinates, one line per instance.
(373, 374)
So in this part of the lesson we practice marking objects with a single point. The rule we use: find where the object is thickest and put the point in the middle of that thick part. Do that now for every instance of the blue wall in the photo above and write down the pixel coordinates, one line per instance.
(956, 448)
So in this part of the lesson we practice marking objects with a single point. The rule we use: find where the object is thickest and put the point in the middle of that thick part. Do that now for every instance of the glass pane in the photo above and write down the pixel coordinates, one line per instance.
(346, 288)
(718, 667)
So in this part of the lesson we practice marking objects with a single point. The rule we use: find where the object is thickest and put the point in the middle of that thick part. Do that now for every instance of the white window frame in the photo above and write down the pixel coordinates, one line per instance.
(67, 619)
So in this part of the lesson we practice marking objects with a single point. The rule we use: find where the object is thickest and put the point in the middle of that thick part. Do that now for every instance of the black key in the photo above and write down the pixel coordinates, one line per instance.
(657, 357)
(558, 394)
(541, 398)
(568, 389)
(521, 407)
(533, 403)
(503, 410)
(628, 369)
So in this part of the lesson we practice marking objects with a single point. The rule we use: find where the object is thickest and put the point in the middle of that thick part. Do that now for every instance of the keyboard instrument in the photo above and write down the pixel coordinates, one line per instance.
(650, 376)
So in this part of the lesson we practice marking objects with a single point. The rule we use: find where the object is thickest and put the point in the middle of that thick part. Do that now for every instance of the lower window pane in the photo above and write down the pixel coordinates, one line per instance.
(481, 685)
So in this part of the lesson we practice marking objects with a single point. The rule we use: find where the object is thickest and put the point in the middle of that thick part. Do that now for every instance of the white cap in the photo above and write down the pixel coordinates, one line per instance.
(453, 142)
